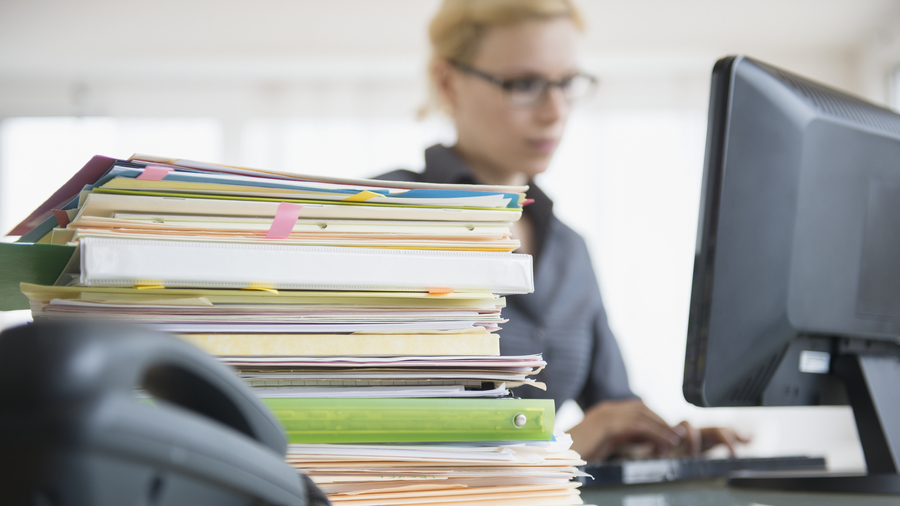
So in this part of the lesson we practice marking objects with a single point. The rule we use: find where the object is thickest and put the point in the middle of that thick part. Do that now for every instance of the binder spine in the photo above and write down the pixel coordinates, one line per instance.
(129, 262)
(413, 420)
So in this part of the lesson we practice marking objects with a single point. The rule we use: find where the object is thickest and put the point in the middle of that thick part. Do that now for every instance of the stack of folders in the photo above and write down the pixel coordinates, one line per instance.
(364, 313)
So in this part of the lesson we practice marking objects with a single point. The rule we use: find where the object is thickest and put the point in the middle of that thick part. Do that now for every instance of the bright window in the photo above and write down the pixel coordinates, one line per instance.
(38, 155)
(343, 146)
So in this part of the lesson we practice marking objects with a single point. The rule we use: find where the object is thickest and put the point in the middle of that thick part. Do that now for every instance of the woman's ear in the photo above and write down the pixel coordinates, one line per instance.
(444, 77)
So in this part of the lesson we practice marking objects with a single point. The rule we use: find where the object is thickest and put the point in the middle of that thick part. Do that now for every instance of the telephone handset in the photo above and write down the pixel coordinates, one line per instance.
(73, 430)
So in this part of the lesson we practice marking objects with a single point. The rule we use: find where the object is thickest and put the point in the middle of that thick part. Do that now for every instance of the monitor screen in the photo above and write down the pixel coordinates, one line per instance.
(797, 269)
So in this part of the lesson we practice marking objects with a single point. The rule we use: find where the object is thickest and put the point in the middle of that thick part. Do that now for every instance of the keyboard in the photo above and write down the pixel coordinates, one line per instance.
(689, 468)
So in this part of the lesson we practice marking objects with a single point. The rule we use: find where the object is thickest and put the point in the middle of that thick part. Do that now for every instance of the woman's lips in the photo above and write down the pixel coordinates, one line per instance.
(545, 146)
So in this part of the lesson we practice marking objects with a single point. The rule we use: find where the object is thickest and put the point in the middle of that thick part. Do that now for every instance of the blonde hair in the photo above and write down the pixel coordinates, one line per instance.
(459, 25)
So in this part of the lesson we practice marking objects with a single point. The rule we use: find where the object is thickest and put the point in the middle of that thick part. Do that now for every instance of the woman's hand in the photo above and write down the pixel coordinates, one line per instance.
(696, 441)
(610, 426)
(617, 427)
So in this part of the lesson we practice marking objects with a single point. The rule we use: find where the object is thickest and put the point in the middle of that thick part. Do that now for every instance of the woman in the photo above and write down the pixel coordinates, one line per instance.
(506, 72)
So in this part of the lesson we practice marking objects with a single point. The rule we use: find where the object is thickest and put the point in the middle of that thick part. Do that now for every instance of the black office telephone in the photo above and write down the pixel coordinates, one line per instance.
(75, 428)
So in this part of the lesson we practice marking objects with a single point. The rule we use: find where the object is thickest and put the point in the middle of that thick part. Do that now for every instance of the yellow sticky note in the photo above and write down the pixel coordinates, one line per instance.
(261, 287)
(363, 196)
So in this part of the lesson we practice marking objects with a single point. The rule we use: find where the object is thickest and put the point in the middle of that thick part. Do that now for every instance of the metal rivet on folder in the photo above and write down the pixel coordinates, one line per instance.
(520, 420)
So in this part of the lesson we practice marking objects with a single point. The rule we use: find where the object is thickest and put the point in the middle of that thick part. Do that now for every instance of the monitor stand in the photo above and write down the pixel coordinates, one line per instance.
(873, 388)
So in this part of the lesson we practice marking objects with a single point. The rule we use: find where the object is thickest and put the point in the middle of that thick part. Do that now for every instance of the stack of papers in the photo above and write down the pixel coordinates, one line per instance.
(468, 473)
(408, 372)
(291, 323)
(195, 201)
(366, 314)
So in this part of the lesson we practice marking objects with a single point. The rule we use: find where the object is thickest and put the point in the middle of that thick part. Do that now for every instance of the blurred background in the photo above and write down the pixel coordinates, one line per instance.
(331, 87)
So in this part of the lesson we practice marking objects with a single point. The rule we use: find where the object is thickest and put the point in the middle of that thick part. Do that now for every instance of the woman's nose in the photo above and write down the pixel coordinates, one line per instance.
(553, 106)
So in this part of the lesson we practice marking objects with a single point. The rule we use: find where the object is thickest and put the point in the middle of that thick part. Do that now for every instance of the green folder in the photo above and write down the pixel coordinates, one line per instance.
(413, 420)
(28, 263)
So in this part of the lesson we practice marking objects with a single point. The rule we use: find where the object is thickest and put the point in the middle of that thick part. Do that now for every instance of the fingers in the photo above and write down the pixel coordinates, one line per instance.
(609, 427)
(692, 438)
(647, 430)
(651, 426)
(714, 436)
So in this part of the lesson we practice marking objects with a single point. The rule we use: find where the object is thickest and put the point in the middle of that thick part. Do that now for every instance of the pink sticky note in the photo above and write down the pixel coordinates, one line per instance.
(527, 201)
(154, 173)
(285, 219)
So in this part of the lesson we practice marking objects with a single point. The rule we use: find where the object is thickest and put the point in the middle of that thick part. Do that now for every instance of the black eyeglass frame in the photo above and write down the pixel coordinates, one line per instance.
(507, 85)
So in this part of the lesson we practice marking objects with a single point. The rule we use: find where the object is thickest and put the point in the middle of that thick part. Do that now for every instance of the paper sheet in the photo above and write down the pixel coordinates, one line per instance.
(377, 392)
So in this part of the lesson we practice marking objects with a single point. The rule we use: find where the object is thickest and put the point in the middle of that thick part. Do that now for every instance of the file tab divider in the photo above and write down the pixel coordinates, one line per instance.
(62, 217)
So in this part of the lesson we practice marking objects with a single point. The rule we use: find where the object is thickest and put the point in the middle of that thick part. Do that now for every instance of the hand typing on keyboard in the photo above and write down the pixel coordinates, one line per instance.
(627, 426)
(695, 441)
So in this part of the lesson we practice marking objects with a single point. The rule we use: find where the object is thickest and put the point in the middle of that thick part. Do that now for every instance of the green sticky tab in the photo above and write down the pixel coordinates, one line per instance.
(29, 263)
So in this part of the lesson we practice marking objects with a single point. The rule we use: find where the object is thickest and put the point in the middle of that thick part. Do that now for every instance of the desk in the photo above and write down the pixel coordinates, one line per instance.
(717, 493)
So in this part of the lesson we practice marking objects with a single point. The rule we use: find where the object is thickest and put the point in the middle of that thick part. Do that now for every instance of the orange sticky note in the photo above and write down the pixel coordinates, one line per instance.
(440, 291)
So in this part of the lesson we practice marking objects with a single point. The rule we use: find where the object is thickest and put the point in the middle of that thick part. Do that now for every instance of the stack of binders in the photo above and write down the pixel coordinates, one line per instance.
(364, 313)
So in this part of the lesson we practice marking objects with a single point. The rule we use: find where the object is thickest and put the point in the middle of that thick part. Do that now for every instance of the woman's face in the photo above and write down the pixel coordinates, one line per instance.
(512, 140)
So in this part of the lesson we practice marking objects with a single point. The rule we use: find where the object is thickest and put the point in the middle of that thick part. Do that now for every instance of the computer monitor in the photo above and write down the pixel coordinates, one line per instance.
(796, 288)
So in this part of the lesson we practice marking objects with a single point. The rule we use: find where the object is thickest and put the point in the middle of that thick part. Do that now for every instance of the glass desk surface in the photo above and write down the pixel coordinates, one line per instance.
(718, 493)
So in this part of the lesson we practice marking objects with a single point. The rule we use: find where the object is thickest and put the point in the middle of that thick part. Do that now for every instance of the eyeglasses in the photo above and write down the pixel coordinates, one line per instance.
(528, 90)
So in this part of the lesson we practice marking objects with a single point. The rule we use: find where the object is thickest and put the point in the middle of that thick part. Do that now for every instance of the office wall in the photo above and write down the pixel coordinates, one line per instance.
(331, 87)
